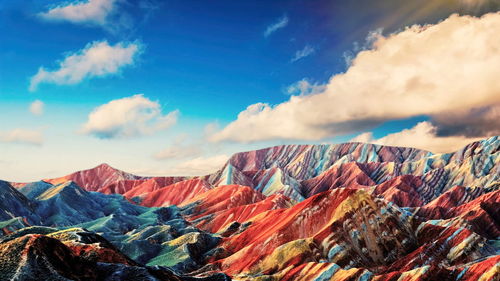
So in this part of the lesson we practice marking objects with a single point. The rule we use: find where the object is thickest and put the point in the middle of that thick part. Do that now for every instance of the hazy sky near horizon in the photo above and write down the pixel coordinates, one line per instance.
(175, 87)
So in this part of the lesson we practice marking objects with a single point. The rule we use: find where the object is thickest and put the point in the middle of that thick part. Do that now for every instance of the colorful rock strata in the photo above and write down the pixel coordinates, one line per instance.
(296, 212)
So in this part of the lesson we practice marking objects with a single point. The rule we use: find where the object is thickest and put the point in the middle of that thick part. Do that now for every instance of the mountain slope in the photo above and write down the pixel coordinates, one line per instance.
(294, 212)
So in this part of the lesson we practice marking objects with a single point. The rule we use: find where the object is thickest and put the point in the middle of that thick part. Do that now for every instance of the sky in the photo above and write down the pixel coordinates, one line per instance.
(176, 87)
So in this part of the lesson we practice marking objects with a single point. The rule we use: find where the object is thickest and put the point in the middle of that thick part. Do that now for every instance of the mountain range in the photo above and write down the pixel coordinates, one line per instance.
(349, 211)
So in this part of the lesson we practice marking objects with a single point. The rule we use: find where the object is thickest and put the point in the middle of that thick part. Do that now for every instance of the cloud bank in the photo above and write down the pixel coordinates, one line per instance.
(199, 166)
(128, 117)
(97, 59)
(423, 135)
(441, 71)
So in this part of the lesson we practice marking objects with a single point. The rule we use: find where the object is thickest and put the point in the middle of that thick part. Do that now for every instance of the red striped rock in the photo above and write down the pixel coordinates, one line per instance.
(222, 198)
(174, 194)
(215, 222)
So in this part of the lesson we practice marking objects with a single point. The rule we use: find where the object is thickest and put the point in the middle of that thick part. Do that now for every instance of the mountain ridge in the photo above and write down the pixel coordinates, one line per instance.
(295, 212)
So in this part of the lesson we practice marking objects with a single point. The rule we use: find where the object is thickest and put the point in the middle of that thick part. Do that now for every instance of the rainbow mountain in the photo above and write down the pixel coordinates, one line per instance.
(348, 211)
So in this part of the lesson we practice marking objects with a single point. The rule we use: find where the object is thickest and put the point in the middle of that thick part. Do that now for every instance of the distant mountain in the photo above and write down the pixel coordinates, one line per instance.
(95, 178)
(295, 212)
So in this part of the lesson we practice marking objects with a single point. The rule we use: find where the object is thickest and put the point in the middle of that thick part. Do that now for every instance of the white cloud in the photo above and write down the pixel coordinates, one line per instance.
(82, 12)
(36, 107)
(199, 166)
(24, 136)
(281, 23)
(370, 39)
(97, 59)
(300, 54)
(304, 87)
(366, 137)
(113, 16)
(128, 117)
(430, 70)
(423, 136)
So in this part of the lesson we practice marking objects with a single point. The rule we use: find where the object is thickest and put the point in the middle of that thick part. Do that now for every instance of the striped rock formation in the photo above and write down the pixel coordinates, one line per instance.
(295, 212)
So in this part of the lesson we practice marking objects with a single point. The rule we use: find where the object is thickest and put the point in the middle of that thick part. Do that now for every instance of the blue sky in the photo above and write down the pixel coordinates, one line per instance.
(206, 63)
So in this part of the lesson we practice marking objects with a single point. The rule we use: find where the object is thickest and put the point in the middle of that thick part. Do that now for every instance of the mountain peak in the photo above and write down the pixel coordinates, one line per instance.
(105, 166)
(97, 177)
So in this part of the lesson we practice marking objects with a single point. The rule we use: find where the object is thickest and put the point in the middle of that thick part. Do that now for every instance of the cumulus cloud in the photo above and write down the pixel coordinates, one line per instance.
(370, 39)
(128, 117)
(94, 12)
(430, 70)
(470, 122)
(111, 15)
(423, 136)
(300, 54)
(36, 107)
(23, 136)
(305, 87)
(281, 23)
(97, 59)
